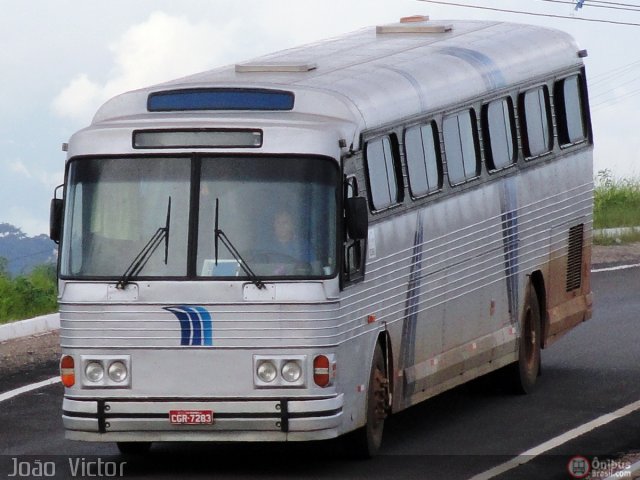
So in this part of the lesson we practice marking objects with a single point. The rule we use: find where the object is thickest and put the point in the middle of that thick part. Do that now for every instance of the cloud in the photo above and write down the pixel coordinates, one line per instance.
(79, 98)
(35, 177)
(165, 46)
(29, 223)
(161, 48)
(17, 166)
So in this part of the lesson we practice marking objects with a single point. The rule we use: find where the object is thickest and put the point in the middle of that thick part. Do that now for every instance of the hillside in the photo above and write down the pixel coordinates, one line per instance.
(21, 252)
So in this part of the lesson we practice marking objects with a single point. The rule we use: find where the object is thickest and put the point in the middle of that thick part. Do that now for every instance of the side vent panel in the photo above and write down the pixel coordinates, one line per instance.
(574, 259)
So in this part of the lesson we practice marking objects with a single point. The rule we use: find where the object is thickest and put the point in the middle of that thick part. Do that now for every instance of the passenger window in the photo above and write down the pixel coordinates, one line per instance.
(537, 137)
(500, 140)
(569, 101)
(461, 146)
(381, 168)
(423, 159)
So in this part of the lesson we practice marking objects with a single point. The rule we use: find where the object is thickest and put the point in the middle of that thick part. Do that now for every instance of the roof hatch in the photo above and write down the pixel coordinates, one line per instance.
(276, 67)
(414, 24)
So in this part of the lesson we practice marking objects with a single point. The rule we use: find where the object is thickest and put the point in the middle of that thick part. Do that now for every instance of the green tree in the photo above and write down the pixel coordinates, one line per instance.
(4, 267)
(28, 296)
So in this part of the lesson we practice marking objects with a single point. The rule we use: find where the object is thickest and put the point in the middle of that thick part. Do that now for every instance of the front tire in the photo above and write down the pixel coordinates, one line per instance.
(369, 438)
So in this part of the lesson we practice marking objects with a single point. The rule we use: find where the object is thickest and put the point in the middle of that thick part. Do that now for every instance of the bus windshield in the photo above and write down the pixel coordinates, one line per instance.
(279, 213)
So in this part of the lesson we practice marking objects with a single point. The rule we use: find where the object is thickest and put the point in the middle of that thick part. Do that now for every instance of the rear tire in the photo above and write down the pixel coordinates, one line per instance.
(524, 373)
(368, 439)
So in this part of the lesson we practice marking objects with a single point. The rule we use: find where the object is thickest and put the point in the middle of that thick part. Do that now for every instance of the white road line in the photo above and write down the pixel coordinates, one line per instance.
(529, 455)
(615, 269)
(28, 388)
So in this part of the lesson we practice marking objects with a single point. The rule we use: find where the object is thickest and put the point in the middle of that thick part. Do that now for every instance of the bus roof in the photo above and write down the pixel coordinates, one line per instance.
(375, 76)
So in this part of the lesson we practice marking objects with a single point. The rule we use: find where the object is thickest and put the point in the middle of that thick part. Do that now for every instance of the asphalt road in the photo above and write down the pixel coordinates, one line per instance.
(592, 371)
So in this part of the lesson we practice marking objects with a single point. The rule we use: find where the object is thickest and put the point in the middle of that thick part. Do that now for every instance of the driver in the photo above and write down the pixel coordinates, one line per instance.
(287, 241)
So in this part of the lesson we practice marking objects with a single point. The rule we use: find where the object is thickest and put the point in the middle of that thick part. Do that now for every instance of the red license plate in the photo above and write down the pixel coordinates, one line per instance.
(191, 417)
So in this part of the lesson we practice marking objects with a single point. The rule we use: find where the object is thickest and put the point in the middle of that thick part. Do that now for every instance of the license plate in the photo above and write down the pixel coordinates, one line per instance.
(191, 417)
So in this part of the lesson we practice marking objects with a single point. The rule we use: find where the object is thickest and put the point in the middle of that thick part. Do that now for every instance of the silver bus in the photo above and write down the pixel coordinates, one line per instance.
(295, 247)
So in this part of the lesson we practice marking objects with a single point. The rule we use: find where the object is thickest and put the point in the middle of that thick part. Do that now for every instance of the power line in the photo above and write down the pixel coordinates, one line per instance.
(614, 3)
(613, 102)
(621, 6)
(605, 92)
(519, 12)
(615, 72)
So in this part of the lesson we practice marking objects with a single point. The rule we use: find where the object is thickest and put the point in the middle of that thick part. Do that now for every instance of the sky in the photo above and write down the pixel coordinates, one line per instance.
(61, 60)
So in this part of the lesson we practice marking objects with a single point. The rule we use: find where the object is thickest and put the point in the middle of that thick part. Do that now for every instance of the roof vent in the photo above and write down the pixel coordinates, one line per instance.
(415, 18)
(273, 67)
(414, 24)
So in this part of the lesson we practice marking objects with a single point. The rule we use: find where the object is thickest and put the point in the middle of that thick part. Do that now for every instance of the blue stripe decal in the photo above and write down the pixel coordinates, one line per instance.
(509, 207)
(196, 325)
(408, 344)
(489, 71)
(207, 325)
(185, 324)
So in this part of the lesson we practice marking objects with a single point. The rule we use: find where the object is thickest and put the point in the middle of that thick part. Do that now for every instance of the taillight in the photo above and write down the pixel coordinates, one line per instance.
(321, 371)
(67, 371)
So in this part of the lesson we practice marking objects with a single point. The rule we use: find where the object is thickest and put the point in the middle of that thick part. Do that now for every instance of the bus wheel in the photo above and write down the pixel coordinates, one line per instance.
(526, 370)
(133, 448)
(369, 438)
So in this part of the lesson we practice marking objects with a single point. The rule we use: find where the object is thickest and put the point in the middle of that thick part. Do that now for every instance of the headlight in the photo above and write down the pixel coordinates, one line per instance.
(105, 371)
(267, 372)
(291, 371)
(94, 371)
(118, 372)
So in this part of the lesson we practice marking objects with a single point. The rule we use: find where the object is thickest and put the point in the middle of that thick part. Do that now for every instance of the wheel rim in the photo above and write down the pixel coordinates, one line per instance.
(377, 406)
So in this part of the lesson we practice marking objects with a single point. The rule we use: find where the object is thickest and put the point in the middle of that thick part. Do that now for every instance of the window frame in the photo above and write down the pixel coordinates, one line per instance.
(526, 147)
(486, 135)
(473, 119)
(437, 155)
(395, 168)
(564, 139)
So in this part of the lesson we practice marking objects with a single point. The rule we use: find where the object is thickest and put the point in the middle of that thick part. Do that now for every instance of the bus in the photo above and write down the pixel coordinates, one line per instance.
(295, 247)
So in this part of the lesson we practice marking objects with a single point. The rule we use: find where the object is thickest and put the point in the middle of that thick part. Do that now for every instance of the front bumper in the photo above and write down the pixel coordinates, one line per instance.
(277, 419)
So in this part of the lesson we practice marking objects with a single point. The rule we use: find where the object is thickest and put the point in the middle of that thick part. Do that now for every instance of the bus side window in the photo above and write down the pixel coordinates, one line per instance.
(461, 146)
(424, 165)
(569, 108)
(537, 138)
(499, 133)
(382, 172)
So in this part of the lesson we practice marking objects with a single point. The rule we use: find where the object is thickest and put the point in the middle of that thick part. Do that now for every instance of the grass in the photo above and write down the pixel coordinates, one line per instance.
(616, 204)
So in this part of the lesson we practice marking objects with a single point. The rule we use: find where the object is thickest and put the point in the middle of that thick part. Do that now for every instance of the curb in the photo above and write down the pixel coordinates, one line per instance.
(615, 232)
(27, 328)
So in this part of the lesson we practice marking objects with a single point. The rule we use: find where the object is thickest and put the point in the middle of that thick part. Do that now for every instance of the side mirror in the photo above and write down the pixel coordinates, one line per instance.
(55, 218)
(357, 217)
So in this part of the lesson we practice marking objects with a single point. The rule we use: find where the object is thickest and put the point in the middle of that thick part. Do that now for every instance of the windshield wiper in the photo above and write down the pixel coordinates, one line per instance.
(138, 263)
(219, 234)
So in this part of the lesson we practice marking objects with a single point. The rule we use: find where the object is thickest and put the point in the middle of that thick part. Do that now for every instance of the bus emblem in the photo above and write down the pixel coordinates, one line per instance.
(195, 325)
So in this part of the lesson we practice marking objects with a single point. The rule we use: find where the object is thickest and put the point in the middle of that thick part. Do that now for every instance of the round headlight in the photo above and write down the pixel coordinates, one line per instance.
(118, 372)
(94, 371)
(267, 372)
(291, 371)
